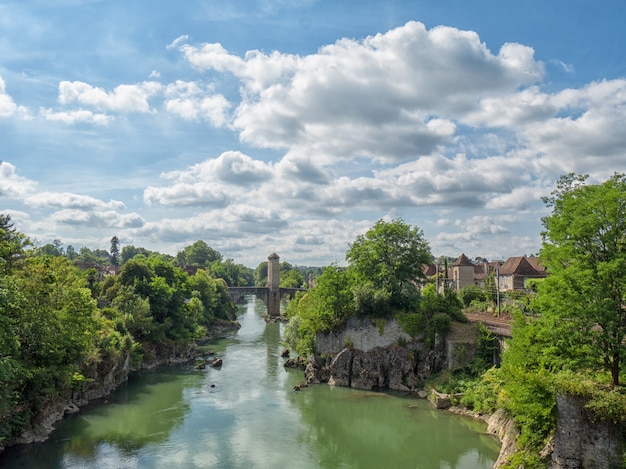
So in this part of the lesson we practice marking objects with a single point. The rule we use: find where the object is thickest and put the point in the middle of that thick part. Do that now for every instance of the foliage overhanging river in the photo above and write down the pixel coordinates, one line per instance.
(246, 415)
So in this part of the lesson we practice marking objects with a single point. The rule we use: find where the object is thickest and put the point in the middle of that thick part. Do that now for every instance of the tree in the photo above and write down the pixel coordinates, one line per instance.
(391, 256)
(115, 251)
(12, 244)
(584, 251)
(128, 252)
(260, 275)
(55, 249)
(199, 253)
(70, 252)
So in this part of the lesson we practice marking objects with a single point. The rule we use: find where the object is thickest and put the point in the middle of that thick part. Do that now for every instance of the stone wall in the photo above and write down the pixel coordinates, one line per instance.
(581, 441)
(362, 334)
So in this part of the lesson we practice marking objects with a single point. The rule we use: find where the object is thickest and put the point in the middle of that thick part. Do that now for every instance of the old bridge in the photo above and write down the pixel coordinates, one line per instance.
(270, 295)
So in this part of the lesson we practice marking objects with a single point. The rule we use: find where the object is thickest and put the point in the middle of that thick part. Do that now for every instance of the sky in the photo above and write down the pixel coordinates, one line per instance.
(293, 126)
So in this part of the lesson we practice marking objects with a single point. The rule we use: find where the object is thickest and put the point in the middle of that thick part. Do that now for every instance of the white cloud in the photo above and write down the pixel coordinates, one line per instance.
(12, 185)
(8, 107)
(189, 101)
(187, 194)
(176, 42)
(124, 98)
(97, 219)
(68, 200)
(73, 117)
(391, 96)
(207, 183)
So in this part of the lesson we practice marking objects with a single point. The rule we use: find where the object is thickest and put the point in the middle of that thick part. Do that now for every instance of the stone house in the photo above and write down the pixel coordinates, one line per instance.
(516, 270)
(510, 275)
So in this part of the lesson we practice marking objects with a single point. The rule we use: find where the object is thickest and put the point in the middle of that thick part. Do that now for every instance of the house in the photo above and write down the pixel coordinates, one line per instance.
(461, 273)
(515, 271)
(510, 275)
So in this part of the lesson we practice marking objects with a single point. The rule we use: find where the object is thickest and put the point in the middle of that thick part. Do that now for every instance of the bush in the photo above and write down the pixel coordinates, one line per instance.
(482, 394)
(441, 323)
(411, 323)
(471, 293)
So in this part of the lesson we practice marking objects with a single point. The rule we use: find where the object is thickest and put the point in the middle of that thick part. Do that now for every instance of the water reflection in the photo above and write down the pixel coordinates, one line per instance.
(246, 415)
(356, 429)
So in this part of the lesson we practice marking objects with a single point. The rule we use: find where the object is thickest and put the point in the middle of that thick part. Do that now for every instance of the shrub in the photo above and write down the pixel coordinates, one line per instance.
(471, 293)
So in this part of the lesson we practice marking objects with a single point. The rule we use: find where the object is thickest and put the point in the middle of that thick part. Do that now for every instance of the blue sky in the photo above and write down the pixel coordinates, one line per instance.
(292, 126)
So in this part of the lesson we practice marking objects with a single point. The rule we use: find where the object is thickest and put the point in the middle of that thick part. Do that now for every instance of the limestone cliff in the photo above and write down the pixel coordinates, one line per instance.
(581, 440)
(368, 354)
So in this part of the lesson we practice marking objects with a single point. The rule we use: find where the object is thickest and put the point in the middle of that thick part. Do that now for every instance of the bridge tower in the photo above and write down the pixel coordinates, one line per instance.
(273, 283)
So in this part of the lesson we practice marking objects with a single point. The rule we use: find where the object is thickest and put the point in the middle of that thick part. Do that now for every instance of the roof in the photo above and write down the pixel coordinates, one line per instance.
(463, 260)
(536, 263)
(520, 265)
(273, 256)
(429, 270)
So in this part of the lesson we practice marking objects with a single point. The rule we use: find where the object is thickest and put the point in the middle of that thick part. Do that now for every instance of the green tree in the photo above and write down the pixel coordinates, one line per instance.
(199, 253)
(391, 256)
(128, 252)
(235, 275)
(584, 251)
(292, 279)
(52, 249)
(70, 252)
(260, 275)
(320, 309)
(12, 245)
(114, 252)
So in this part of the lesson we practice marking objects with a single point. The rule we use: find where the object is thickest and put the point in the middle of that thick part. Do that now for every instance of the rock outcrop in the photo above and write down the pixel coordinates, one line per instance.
(582, 440)
(380, 355)
(105, 377)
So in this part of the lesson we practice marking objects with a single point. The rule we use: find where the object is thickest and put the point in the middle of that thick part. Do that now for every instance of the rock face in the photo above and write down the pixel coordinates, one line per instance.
(106, 377)
(503, 427)
(375, 358)
(361, 334)
(581, 441)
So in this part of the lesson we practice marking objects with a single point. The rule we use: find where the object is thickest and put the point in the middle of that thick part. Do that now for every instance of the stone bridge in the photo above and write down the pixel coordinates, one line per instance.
(271, 298)
(270, 295)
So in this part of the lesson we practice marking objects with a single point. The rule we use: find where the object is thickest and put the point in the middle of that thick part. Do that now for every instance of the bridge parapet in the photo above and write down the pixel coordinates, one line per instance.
(270, 297)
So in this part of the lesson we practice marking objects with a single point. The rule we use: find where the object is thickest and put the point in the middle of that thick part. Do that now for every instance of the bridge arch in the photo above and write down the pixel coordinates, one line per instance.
(270, 295)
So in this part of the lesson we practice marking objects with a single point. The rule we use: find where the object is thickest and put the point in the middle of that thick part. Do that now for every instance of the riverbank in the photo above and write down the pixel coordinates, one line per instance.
(107, 377)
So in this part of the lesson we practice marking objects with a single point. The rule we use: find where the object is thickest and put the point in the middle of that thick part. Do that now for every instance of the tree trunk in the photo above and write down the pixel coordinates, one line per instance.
(615, 369)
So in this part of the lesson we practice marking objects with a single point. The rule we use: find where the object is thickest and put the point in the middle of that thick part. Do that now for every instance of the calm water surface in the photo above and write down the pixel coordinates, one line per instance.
(245, 415)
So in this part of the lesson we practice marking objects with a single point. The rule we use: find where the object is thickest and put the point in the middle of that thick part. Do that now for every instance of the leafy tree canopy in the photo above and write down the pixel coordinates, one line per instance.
(199, 253)
(584, 251)
(391, 256)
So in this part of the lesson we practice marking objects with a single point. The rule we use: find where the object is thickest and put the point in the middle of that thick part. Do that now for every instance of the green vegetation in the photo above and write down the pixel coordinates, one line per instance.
(572, 339)
(290, 276)
(383, 280)
(569, 330)
(61, 328)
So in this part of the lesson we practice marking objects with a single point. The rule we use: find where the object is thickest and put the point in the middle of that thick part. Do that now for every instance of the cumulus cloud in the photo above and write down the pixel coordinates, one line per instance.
(206, 183)
(124, 98)
(67, 200)
(73, 117)
(238, 221)
(11, 184)
(390, 96)
(187, 194)
(8, 107)
(97, 219)
(189, 101)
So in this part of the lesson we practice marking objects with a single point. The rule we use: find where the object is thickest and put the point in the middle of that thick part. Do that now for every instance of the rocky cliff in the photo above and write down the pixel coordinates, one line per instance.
(104, 377)
(368, 354)
(581, 440)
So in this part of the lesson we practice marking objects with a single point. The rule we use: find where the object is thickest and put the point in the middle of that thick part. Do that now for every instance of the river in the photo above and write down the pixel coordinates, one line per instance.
(246, 415)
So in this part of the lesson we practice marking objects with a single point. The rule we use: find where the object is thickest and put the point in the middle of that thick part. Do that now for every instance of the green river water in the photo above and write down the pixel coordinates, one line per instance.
(246, 415)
